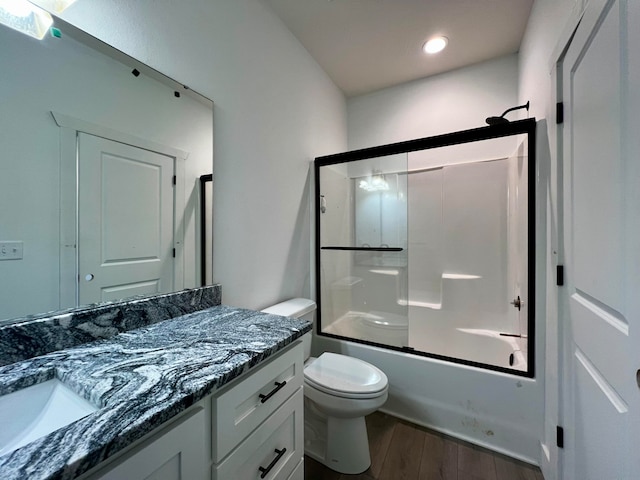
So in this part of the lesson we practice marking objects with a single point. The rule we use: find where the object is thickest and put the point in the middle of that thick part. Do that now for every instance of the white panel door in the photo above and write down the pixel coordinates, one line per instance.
(125, 223)
(601, 307)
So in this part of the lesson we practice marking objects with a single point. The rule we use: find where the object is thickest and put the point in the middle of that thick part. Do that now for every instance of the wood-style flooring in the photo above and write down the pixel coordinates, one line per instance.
(403, 451)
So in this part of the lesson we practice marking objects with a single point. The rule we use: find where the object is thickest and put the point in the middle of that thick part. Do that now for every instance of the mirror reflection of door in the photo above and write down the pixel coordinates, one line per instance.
(125, 220)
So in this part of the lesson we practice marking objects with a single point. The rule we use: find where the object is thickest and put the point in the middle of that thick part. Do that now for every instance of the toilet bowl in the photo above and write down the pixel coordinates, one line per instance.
(339, 391)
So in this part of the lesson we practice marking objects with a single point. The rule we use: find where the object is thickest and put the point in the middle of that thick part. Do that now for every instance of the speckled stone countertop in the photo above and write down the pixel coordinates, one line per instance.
(27, 337)
(140, 379)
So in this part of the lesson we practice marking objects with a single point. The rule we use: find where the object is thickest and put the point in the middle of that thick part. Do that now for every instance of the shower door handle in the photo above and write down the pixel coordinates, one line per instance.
(518, 303)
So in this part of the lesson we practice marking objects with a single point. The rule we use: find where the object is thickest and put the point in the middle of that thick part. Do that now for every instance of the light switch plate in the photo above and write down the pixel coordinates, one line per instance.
(11, 250)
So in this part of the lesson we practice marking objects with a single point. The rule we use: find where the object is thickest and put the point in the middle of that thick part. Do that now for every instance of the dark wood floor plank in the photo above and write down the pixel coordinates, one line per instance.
(314, 470)
(508, 469)
(402, 461)
(476, 461)
(468, 476)
(439, 458)
(403, 451)
(380, 428)
(362, 476)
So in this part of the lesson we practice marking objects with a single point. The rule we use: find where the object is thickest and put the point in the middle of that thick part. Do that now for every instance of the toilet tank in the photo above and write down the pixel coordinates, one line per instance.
(297, 308)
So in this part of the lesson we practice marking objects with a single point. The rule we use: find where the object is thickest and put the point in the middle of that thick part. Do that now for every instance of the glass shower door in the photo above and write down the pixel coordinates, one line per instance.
(363, 250)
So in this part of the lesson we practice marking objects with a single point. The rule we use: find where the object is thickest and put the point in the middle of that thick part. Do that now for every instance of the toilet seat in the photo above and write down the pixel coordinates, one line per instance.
(345, 377)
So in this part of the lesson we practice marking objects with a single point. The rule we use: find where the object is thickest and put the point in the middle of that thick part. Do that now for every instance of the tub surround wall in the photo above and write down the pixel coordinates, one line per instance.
(141, 379)
(36, 335)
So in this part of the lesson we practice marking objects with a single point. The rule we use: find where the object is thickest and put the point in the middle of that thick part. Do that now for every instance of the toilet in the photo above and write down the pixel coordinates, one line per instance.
(338, 392)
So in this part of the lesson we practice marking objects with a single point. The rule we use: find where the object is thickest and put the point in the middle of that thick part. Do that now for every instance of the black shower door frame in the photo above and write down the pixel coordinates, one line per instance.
(527, 127)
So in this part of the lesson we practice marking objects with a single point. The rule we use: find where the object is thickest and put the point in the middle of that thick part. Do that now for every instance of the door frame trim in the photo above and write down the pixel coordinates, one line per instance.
(551, 456)
(556, 459)
(69, 128)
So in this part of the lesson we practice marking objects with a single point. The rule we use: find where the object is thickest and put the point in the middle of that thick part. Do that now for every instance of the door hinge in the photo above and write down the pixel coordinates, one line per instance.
(174, 180)
(559, 113)
(559, 436)
(560, 275)
(174, 253)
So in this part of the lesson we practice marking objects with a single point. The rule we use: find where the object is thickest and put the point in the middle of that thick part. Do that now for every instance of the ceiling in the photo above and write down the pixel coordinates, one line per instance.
(366, 45)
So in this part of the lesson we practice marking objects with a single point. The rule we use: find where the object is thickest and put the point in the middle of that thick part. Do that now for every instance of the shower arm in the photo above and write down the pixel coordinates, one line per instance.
(526, 105)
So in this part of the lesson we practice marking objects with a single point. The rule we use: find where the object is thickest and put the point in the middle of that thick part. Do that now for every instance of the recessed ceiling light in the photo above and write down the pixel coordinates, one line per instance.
(435, 45)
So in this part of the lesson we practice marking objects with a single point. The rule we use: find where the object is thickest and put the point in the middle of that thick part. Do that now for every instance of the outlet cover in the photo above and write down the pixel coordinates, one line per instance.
(11, 250)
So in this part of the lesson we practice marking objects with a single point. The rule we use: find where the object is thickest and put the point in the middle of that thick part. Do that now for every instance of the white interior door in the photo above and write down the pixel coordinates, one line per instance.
(601, 307)
(125, 220)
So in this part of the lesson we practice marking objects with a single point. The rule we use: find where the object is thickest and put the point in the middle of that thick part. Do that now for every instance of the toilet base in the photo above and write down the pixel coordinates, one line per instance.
(341, 444)
(347, 445)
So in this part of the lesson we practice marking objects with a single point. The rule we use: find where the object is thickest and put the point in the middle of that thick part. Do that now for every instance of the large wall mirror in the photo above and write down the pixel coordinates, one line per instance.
(99, 177)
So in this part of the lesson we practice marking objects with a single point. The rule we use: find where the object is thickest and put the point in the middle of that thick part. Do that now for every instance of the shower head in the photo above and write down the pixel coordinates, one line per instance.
(501, 120)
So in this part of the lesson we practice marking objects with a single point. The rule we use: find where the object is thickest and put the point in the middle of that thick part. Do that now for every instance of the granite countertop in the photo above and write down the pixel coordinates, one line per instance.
(140, 379)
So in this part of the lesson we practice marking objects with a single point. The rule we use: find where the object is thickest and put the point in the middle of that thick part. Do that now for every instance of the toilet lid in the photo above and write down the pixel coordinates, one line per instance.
(345, 376)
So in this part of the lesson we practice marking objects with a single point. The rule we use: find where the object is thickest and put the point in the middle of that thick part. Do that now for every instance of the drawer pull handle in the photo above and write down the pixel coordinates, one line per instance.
(279, 385)
(265, 471)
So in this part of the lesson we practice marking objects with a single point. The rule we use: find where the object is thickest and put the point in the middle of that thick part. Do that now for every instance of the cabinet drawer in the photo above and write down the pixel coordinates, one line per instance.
(238, 411)
(298, 472)
(276, 446)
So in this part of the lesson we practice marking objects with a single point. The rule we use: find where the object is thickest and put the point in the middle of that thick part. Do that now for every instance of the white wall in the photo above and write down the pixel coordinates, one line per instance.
(275, 110)
(65, 76)
(457, 100)
(548, 30)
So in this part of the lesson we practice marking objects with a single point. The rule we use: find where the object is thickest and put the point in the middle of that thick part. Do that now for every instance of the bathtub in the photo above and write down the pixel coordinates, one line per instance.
(378, 327)
(483, 346)
(493, 348)
(493, 409)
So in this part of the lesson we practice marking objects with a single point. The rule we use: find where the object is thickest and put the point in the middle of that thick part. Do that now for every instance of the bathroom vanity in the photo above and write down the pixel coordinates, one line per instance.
(211, 394)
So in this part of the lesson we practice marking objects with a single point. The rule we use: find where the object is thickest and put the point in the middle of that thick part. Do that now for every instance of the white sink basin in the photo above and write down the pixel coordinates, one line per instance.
(35, 411)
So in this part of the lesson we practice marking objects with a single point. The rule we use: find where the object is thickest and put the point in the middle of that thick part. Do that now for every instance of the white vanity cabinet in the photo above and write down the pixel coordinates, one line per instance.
(175, 452)
(257, 424)
(251, 429)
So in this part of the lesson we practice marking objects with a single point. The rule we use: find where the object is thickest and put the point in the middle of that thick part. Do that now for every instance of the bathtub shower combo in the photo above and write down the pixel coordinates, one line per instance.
(427, 246)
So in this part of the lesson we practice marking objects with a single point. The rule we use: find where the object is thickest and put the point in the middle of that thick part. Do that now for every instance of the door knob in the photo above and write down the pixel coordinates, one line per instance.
(88, 277)
(518, 303)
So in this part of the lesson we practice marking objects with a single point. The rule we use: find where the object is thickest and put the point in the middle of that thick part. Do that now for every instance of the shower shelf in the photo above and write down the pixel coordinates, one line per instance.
(366, 249)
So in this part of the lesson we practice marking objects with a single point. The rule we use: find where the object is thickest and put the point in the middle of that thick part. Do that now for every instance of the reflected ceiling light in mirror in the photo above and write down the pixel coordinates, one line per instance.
(57, 6)
(435, 45)
(25, 17)
(376, 182)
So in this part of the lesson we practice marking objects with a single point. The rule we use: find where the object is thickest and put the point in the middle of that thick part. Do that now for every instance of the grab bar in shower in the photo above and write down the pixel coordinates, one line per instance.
(366, 249)
(512, 335)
